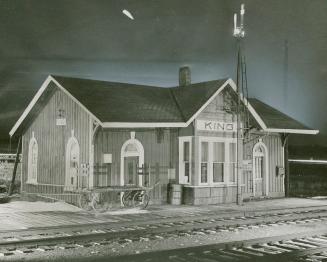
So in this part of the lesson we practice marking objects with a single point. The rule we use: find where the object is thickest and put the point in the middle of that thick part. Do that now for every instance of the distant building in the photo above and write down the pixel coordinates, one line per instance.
(7, 162)
(308, 177)
(80, 133)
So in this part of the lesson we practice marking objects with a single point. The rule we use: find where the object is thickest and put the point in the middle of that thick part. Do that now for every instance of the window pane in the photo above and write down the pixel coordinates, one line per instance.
(218, 172)
(232, 174)
(204, 172)
(187, 171)
(130, 173)
(232, 152)
(186, 151)
(34, 153)
(204, 151)
(218, 152)
(131, 148)
(258, 166)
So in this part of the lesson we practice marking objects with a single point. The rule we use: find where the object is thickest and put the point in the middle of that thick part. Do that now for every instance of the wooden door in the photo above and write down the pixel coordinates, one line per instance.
(258, 165)
(72, 182)
(130, 171)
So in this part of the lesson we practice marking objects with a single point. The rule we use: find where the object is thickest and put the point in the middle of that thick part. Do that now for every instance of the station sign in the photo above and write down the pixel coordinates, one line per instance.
(215, 126)
(61, 121)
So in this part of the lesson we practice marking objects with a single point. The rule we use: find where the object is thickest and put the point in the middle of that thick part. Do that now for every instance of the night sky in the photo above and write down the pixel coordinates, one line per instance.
(93, 39)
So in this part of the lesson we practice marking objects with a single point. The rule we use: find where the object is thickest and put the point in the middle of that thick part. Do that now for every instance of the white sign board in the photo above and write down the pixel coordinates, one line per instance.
(216, 126)
(61, 121)
(107, 158)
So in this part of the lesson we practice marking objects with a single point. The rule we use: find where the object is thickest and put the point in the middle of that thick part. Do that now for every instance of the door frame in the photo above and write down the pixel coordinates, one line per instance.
(71, 141)
(265, 178)
(123, 154)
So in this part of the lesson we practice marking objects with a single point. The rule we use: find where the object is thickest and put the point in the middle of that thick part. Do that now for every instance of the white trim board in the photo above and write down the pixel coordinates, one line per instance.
(142, 124)
(30, 105)
(265, 178)
(209, 101)
(248, 105)
(312, 161)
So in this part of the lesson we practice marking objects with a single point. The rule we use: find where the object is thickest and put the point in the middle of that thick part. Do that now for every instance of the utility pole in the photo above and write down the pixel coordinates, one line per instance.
(17, 159)
(285, 74)
(239, 34)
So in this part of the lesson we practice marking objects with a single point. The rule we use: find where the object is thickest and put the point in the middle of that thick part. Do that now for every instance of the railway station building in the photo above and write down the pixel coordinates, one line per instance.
(81, 134)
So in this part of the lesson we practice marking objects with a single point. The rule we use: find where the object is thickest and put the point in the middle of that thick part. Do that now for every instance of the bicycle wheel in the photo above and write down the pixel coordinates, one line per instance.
(141, 200)
(84, 201)
(127, 199)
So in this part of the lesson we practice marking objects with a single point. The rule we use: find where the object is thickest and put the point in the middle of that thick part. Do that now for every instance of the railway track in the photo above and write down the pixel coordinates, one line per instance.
(27, 242)
(187, 222)
(301, 248)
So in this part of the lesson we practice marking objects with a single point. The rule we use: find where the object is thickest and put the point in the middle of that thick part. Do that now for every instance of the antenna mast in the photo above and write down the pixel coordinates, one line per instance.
(239, 34)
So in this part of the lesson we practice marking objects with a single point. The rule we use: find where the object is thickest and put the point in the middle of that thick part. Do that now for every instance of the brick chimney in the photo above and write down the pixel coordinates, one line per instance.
(184, 76)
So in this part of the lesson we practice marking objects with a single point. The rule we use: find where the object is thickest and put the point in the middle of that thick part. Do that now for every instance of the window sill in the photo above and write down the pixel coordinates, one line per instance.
(32, 182)
(214, 185)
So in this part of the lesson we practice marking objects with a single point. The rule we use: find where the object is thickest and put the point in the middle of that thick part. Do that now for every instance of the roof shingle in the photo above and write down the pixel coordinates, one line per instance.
(274, 118)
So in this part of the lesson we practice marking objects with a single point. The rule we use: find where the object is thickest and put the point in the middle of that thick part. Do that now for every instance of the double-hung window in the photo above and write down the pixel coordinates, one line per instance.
(186, 161)
(204, 162)
(218, 163)
(232, 162)
(217, 160)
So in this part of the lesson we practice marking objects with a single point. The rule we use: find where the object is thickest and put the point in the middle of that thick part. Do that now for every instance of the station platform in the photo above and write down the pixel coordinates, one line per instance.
(23, 215)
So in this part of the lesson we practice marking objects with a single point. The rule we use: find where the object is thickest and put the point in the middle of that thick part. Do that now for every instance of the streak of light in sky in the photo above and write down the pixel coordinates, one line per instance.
(128, 14)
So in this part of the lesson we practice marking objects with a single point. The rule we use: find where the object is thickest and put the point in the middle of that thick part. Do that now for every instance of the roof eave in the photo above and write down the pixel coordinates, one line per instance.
(292, 131)
(143, 124)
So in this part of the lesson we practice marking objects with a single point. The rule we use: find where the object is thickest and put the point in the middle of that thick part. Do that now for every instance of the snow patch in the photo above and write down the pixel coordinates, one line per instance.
(127, 211)
(38, 206)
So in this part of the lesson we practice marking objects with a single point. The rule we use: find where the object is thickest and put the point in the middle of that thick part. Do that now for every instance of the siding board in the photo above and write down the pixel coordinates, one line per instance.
(52, 142)
(157, 155)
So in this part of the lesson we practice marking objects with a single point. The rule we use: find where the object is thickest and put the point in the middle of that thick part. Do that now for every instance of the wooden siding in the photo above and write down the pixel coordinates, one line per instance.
(216, 111)
(52, 140)
(275, 158)
(161, 156)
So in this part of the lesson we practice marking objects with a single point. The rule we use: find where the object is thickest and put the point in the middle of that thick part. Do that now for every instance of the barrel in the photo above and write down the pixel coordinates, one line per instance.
(176, 193)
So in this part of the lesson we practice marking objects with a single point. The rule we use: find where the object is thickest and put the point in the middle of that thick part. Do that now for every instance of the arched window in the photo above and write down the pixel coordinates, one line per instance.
(72, 164)
(32, 161)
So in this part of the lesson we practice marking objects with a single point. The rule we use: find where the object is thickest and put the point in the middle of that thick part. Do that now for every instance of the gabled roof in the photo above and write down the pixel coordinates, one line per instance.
(131, 106)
